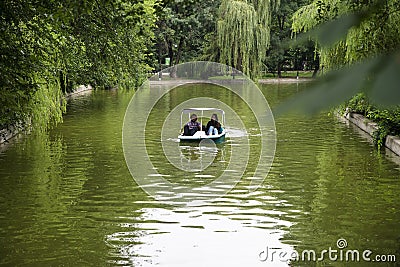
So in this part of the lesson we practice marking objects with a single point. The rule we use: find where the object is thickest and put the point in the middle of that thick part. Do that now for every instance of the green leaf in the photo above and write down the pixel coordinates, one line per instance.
(386, 87)
(335, 88)
(330, 32)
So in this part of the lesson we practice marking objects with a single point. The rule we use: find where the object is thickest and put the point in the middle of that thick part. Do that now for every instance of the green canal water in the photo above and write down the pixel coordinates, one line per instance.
(67, 197)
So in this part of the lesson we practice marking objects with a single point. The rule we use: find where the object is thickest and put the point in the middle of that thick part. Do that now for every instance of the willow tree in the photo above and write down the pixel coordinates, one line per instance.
(243, 33)
(360, 40)
(47, 47)
(369, 28)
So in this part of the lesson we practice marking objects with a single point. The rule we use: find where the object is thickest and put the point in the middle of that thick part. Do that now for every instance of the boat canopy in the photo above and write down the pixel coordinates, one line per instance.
(189, 111)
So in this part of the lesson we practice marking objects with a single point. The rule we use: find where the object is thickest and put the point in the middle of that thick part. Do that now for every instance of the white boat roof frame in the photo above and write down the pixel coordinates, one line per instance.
(188, 110)
(191, 110)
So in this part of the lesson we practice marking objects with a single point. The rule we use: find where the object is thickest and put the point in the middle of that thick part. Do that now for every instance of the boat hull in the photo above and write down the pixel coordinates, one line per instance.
(201, 135)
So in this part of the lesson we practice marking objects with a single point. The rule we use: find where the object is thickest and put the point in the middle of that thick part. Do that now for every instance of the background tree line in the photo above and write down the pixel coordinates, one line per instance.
(235, 32)
(47, 48)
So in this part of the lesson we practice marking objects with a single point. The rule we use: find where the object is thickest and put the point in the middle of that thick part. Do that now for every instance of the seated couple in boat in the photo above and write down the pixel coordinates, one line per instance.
(213, 126)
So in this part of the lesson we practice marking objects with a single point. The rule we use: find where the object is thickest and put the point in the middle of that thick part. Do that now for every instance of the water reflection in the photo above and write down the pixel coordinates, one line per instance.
(67, 198)
(152, 155)
(208, 235)
(197, 157)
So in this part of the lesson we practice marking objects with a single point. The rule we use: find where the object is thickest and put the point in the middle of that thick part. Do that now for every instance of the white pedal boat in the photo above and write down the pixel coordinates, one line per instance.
(201, 135)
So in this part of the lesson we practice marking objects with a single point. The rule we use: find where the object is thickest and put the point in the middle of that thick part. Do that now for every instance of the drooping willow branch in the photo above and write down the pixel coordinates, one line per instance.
(243, 32)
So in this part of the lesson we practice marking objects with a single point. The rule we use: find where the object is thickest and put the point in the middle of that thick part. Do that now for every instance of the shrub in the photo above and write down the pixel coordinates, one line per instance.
(388, 120)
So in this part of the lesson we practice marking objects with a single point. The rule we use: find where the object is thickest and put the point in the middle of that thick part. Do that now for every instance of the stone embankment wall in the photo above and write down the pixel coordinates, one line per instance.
(392, 142)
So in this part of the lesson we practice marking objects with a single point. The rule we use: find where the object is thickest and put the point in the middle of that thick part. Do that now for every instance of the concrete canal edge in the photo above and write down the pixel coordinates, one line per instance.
(80, 90)
(284, 80)
(13, 130)
(393, 143)
(368, 126)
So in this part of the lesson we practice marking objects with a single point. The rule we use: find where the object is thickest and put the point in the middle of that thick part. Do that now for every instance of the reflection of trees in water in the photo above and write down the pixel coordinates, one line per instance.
(196, 153)
(330, 185)
(190, 153)
(198, 164)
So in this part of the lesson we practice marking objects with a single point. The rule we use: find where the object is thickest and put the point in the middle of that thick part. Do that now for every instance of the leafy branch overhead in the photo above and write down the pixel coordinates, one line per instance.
(361, 42)
(49, 47)
(182, 28)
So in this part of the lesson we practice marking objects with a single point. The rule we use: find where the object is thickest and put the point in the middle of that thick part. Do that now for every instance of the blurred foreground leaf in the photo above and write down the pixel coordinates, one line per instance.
(346, 33)
(386, 87)
(379, 77)
(330, 32)
(337, 26)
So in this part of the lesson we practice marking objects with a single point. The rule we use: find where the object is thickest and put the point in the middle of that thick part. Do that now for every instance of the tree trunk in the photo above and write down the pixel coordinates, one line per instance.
(239, 62)
(179, 53)
(316, 69)
(62, 82)
(172, 72)
(170, 53)
(279, 70)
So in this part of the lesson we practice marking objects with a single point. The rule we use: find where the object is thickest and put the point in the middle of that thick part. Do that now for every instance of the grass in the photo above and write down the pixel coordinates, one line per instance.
(288, 74)
(268, 75)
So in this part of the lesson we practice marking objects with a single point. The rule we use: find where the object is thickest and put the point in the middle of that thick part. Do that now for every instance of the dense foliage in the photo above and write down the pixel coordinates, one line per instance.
(243, 33)
(182, 30)
(47, 48)
(237, 33)
(359, 41)
(282, 57)
(369, 27)
(388, 120)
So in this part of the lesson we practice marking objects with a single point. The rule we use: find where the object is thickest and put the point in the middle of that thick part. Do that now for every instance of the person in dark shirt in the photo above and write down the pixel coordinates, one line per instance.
(192, 126)
(213, 126)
